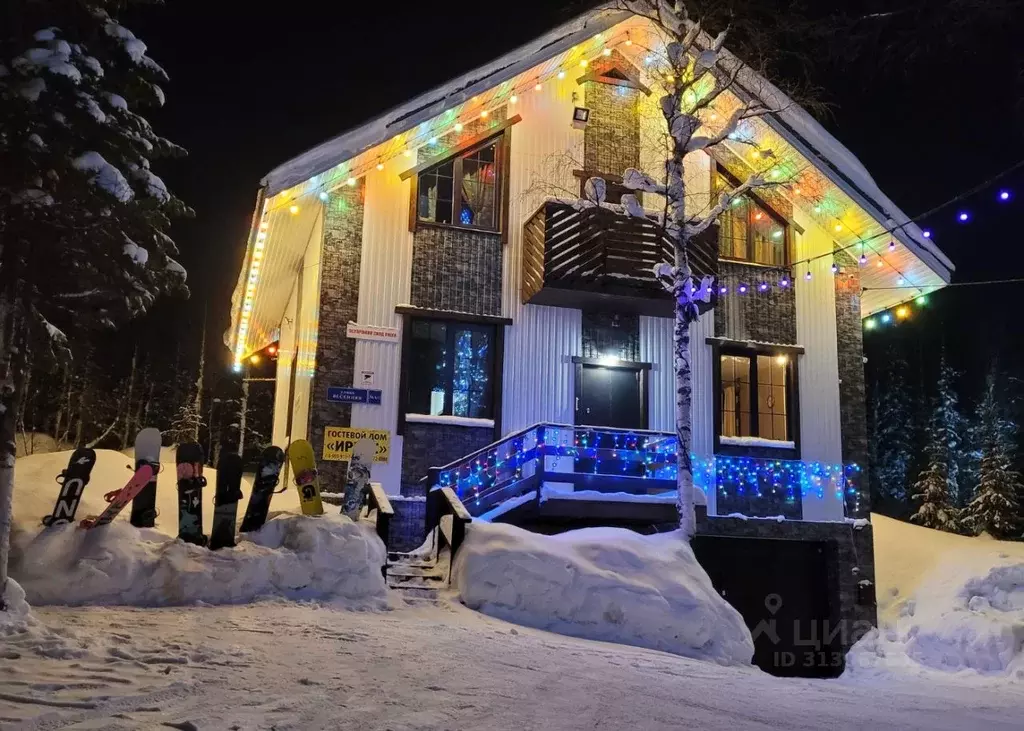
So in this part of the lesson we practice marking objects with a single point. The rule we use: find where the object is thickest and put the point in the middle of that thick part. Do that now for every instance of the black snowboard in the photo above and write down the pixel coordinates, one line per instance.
(72, 483)
(267, 474)
(144, 505)
(225, 500)
(191, 482)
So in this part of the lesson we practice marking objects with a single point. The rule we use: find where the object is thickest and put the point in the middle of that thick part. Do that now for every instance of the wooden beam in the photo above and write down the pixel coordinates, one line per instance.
(471, 142)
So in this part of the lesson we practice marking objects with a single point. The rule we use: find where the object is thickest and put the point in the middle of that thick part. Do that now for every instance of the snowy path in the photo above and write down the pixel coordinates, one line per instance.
(290, 666)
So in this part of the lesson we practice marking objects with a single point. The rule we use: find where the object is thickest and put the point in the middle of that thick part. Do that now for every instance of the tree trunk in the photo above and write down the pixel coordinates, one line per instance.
(244, 410)
(12, 391)
(684, 396)
(126, 437)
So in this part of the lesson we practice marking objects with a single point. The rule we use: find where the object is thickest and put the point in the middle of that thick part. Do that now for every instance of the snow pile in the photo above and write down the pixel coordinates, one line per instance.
(601, 583)
(104, 175)
(18, 614)
(948, 604)
(328, 558)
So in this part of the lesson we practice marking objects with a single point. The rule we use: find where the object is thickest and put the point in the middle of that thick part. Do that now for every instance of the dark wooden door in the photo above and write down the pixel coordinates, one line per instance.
(610, 396)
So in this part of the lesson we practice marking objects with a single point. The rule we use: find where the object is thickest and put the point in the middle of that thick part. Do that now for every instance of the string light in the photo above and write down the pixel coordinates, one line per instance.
(380, 166)
(513, 99)
(902, 312)
(538, 87)
(863, 259)
(1004, 195)
(561, 74)
(351, 182)
(963, 216)
(483, 114)
(808, 275)
(606, 52)
(458, 126)
(294, 210)
(892, 246)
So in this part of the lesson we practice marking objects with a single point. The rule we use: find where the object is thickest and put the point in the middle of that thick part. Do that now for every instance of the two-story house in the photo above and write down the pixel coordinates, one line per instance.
(433, 256)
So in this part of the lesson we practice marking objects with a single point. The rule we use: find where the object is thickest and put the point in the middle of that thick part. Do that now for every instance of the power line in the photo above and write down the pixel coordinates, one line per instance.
(1015, 280)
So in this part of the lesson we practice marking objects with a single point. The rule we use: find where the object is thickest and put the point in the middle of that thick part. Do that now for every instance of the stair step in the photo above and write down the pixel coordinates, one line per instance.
(426, 565)
(415, 582)
(420, 595)
(401, 569)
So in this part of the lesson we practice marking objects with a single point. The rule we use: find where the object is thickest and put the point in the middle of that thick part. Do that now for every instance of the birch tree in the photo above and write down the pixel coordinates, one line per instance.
(700, 76)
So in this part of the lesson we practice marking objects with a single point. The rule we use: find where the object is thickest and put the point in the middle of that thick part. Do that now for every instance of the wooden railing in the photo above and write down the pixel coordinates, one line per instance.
(570, 253)
(375, 500)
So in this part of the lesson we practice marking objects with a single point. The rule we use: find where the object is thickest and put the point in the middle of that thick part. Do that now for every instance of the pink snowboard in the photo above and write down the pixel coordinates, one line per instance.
(119, 498)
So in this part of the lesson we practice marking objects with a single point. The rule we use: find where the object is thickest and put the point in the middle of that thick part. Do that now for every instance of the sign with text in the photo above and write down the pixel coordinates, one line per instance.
(342, 395)
(372, 332)
(365, 378)
(339, 441)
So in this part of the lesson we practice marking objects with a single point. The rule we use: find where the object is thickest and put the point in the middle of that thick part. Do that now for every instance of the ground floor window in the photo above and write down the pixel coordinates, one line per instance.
(756, 396)
(451, 366)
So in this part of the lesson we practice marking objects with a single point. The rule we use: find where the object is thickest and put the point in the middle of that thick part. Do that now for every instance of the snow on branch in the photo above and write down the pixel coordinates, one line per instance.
(636, 180)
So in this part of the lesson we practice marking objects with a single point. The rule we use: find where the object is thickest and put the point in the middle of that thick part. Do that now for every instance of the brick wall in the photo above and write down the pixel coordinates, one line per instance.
(456, 269)
(611, 139)
(408, 524)
(616, 335)
(339, 303)
(852, 397)
(855, 561)
(767, 317)
(434, 445)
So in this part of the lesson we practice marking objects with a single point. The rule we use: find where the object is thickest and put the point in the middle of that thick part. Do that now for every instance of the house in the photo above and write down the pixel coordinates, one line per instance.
(430, 284)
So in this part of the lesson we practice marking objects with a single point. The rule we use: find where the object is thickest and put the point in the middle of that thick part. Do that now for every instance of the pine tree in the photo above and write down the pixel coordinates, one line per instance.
(892, 435)
(83, 219)
(995, 508)
(936, 487)
(950, 425)
(186, 423)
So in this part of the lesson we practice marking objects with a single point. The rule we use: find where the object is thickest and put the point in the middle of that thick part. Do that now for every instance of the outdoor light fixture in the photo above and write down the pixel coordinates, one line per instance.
(580, 117)
(608, 360)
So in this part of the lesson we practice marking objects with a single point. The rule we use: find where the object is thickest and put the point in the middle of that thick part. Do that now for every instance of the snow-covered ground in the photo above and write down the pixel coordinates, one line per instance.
(302, 666)
(949, 606)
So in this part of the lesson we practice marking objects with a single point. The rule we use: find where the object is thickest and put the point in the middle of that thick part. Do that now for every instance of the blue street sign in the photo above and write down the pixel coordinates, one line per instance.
(341, 395)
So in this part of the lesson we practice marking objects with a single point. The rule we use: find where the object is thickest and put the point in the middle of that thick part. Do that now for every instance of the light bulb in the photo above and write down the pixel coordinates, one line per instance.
(784, 282)
(380, 166)
(294, 210)
(561, 74)
(927, 233)
(606, 52)
(838, 227)
(963, 216)
(879, 263)
(513, 99)
(835, 268)
(407, 152)
(538, 87)
(1004, 195)
(351, 181)
(892, 246)
(863, 259)
(458, 126)
(808, 276)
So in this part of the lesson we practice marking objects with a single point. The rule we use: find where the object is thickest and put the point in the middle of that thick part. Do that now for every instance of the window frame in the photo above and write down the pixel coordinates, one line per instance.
(787, 233)
(721, 348)
(502, 158)
(454, 321)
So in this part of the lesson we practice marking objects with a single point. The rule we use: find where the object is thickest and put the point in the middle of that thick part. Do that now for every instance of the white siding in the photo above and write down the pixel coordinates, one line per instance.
(385, 272)
(285, 363)
(307, 327)
(539, 345)
(820, 439)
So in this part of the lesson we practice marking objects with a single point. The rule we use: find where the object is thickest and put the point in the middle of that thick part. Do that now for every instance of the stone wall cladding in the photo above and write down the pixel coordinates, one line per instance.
(339, 303)
(767, 317)
(408, 524)
(611, 139)
(852, 396)
(434, 445)
(616, 335)
(855, 561)
(456, 269)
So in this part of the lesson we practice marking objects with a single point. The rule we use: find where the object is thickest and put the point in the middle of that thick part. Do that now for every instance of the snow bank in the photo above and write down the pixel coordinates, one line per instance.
(604, 584)
(947, 605)
(18, 614)
(329, 558)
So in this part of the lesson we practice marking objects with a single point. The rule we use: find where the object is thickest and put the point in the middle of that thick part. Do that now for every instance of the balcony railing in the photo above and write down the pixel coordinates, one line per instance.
(551, 461)
(582, 257)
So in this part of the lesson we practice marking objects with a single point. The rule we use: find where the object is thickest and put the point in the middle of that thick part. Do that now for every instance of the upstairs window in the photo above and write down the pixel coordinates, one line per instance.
(756, 396)
(464, 190)
(451, 369)
(751, 232)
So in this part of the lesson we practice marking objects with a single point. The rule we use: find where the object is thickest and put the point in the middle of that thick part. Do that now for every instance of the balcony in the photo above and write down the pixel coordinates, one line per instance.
(596, 259)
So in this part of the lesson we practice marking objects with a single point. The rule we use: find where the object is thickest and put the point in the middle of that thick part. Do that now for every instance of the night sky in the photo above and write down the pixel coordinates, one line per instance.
(932, 111)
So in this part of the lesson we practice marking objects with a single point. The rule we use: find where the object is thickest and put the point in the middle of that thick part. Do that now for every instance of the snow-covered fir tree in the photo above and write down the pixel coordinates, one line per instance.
(950, 425)
(186, 424)
(892, 434)
(700, 110)
(932, 493)
(995, 508)
(83, 219)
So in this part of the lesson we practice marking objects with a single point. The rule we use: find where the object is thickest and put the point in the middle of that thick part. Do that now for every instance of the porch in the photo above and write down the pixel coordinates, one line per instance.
(578, 475)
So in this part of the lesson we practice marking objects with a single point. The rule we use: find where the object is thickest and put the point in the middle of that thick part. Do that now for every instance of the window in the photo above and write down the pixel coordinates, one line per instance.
(451, 365)
(755, 396)
(749, 231)
(463, 190)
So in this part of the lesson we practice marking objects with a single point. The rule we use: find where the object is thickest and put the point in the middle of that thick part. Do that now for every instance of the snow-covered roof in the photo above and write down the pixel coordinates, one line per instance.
(792, 123)
(427, 106)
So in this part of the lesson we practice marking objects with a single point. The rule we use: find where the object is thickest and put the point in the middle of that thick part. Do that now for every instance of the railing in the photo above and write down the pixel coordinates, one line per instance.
(448, 517)
(559, 457)
(598, 251)
(376, 500)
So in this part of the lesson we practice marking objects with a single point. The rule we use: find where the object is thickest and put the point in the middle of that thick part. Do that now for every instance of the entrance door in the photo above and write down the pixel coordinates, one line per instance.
(614, 396)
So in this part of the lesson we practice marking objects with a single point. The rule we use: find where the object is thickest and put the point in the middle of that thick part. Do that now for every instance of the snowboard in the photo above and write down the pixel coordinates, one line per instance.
(189, 459)
(147, 451)
(144, 505)
(358, 481)
(300, 454)
(268, 472)
(225, 501)
(72, 482)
